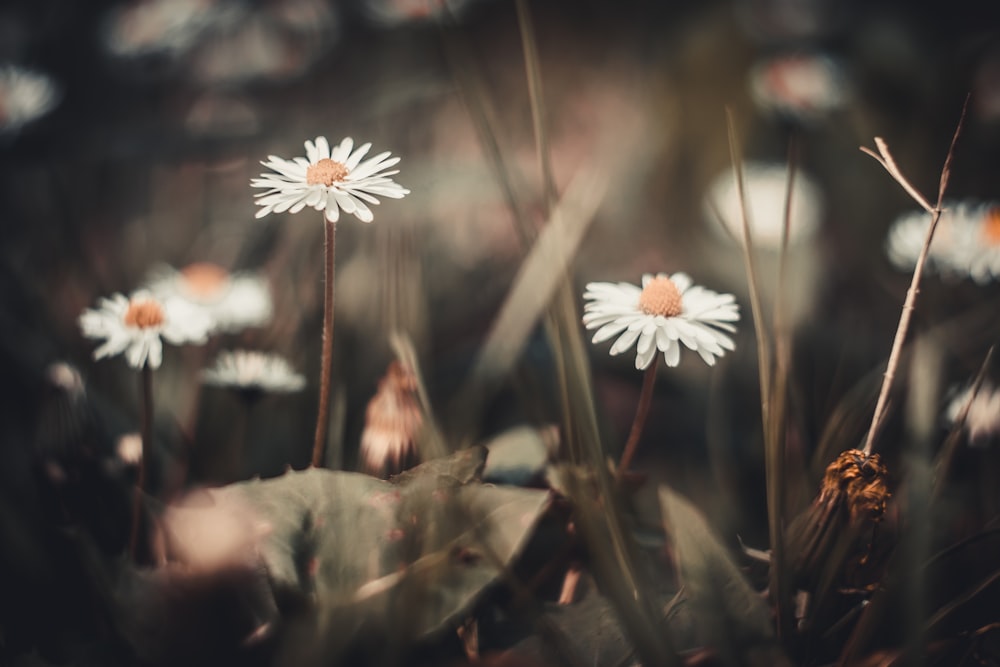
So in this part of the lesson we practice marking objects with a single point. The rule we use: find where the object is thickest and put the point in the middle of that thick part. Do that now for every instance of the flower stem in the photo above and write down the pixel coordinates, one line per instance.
(323, 417)
(641, 412)
(146, 431)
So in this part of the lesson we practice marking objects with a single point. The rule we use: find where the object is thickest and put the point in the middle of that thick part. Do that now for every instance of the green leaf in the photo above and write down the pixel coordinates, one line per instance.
(732, 612)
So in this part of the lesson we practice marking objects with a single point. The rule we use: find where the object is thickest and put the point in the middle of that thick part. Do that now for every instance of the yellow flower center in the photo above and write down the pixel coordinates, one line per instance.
(660, 296)
(144, 314)
(326, 172)
(203, 279)
(991, 226)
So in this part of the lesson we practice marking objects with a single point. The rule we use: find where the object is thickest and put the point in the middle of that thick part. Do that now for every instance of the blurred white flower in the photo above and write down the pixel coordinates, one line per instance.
(983, 419)
(134, 326)
(24, 96)
(966, 241)
(253, 371)
(328, 180)
(128, 448)
(233, 301)
(801, 86)
(164, 26)
(665, 312)
(765, 186)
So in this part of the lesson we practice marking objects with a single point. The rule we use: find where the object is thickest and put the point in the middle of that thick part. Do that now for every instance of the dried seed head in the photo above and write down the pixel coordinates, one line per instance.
(326, 172)
(392, 422)
(862, 480)
(660, 296)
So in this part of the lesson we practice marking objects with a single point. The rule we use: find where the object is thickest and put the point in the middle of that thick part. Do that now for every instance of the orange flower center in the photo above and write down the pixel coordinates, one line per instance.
(991, 226)
(326, 172)
(144, 314)
(660, 296)
(203, 279)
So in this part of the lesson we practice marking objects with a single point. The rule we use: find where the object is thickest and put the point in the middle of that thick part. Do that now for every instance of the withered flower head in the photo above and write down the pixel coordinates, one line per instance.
(392, 422)
(862, 480)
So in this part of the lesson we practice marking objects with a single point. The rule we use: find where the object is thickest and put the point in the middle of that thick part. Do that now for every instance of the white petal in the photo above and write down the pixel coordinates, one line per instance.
(643, 359)
(672, 355)
(624, 342)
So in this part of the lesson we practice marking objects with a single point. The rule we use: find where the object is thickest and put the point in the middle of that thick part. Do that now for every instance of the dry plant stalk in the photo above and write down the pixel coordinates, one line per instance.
(884, 157)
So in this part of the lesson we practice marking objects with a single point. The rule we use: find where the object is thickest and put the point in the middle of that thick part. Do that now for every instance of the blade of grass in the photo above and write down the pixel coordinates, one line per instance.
(772, 420)
(947, 453)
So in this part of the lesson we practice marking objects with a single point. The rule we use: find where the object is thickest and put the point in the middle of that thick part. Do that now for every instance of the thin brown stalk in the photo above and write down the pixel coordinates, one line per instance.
(146, 432)
(323, 416)
(885, 159)
(641, 413)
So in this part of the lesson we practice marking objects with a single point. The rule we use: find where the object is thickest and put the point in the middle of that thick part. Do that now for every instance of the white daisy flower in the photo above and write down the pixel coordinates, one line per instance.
(765, 186)
(966, 241)
(328, 180)
(24, 96)
(246, 370)
(233, 301)
(665, 312)
(983, 420)
(136, 325)
(801, 86)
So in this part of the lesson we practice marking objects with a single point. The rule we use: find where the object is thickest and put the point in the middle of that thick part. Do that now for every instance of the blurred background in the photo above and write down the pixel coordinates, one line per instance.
(129, 132)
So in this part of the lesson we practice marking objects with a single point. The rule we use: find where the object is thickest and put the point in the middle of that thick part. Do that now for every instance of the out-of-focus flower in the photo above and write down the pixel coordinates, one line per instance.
(765, 186)
(661, 315)
(233, 301)
(135, 325)
(224, 42)
(392, 422)
(800, 86)
(213, 531)
(164, 26)
(328, 180)
(273, 41)
(983, 419)
(128, 449)
(24, 96)
(245, 370)
(391, 13)
(966, 241)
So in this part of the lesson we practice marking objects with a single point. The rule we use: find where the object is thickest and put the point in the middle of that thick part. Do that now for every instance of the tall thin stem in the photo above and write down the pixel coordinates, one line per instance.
(641, 412)
(323, 416)
(884, 157)
(146, 432)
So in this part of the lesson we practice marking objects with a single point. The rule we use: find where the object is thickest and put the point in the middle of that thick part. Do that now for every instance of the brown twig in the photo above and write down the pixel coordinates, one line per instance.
(885, 159)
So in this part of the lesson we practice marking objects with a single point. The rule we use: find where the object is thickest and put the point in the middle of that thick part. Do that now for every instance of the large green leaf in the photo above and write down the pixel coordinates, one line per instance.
(733, 614)
(349, 557)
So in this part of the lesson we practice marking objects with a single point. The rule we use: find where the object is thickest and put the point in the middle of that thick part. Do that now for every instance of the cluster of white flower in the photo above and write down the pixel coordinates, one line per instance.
(966, 241)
